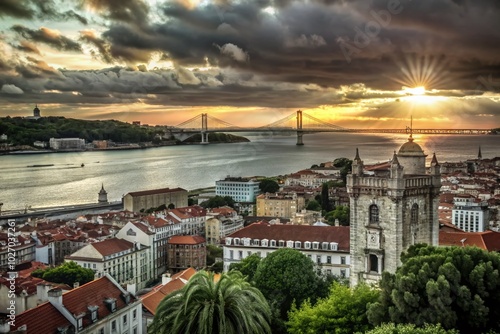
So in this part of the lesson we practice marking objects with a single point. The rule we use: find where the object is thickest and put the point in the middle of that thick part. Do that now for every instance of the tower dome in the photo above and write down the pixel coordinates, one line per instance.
(412, 157)
(36, 112)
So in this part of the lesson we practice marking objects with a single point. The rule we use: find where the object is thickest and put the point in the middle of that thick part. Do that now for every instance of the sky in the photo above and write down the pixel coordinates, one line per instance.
(352, 63)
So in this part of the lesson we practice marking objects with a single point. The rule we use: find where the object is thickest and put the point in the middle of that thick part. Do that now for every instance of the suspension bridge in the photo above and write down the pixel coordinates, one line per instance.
(299, 122)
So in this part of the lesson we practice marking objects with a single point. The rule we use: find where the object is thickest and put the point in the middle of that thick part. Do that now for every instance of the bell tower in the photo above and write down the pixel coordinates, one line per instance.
(391, 209)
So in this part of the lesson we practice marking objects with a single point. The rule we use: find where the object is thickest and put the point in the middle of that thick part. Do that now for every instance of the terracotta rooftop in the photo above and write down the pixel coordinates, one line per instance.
(153, 299)
(112, 246)
(46, 319)
(155, 191)
(338, 234)
(488, 240)
(186, 240)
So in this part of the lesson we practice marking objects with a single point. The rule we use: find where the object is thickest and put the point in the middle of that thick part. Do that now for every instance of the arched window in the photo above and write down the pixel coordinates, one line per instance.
(374, 214)
(414, 214)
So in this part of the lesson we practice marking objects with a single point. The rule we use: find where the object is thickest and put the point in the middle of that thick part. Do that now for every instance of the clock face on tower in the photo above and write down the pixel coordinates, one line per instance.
(373, 241)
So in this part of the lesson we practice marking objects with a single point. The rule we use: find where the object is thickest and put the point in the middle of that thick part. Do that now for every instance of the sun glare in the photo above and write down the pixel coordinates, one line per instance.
(420, 90)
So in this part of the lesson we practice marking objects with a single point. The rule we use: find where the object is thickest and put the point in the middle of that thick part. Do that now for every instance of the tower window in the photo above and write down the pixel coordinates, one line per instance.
(374, 217)
(373, 263)
(414, 214)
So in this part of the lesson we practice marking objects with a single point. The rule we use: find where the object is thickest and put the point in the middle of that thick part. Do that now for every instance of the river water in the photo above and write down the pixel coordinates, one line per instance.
(197, 166)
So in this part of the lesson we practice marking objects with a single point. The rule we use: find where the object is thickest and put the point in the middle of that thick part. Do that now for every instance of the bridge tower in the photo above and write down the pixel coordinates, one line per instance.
(300, 133)
(204, 128)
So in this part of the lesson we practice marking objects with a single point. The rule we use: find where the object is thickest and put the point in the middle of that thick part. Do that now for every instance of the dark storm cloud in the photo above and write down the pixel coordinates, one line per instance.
(329, 42)
(47, 36)
(101, 45)
(128, 11)
(16, 8)
(41, 9)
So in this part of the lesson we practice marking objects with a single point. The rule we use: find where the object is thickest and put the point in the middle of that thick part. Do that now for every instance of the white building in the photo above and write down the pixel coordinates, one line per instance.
(126, 262)
(326, 246)
(238, 188)
(67, 143)
(469, 215)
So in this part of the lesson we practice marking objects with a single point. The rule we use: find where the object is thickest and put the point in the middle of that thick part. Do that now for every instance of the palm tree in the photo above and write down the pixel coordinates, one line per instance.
(229, 306)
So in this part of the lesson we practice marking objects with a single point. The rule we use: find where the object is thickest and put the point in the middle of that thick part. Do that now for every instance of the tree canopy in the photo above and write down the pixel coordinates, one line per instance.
(229, 306)
(22, 131)
(286, 276)
(269, 186)
(341, 213)
(458, 287)
(345, 166)
(247, 266)
(313, 205)
(218, 201)
(342, 312)
(325, 198)
(392, 328)
(67, 273)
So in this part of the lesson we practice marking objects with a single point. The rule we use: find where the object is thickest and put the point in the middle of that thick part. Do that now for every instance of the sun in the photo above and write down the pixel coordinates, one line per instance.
(420, 90)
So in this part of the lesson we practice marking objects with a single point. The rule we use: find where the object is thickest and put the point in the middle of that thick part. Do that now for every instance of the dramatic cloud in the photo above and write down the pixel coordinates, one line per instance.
(28, 47)
(102, 46)
(48, 36)
(41, 9)
(11, 89)
(234, 52)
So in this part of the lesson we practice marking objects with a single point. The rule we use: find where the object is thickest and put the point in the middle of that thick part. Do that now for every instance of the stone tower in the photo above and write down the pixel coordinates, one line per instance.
(36, 112)
(103, 195)
(393, 205)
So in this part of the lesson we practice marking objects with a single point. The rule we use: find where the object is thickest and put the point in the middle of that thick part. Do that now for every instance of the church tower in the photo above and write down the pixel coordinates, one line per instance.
(36, 112)
(103, 195)
(392, 207)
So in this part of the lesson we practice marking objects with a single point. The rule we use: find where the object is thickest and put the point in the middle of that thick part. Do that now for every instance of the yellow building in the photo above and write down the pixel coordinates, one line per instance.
(283, 205)
(136, 201)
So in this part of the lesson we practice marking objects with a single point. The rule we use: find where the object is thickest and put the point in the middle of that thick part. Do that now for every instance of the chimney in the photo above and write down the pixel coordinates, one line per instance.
(76, 285)
(165, 278)
(55, 296)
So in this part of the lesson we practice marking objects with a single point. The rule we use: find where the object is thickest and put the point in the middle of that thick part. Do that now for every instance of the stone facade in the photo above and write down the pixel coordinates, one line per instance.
(391, 209)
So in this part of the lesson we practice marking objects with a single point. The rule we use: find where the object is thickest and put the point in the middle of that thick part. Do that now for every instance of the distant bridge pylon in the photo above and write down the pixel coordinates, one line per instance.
(299, 121)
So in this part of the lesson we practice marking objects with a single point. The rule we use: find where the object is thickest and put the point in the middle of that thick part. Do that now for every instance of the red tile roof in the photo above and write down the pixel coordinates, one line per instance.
(112, 246)
(488, 240)
(155, 191)
(338, 234)
(186, 240)
(153, 299)
(45, 318)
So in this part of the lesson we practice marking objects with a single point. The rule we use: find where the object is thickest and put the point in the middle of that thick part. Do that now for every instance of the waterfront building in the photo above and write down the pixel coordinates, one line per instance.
(144, 200)
(283, 205)
(186, 251)
(100, 306)
(326, 246)
(311, 178)
(126, 262)
(392, 206)
(240, 189)
(62, 144)
(469, 214)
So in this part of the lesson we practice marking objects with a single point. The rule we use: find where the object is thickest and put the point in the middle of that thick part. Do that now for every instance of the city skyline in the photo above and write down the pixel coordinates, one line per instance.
(353, 64)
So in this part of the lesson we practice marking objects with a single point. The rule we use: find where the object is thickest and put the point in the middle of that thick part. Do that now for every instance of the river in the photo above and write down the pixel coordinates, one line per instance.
(197, 166)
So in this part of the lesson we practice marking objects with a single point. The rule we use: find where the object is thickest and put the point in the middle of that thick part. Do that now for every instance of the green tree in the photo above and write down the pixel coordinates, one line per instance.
(218, 201)
(213, 252)
(392, 328)
(67, 273)
(286, 276)
(342, 312)
(247, 266)
(228, 306)
(269, 186)
(313, 205)
(345, 166)
(341, 213)
(458, 287)
(325, 198)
